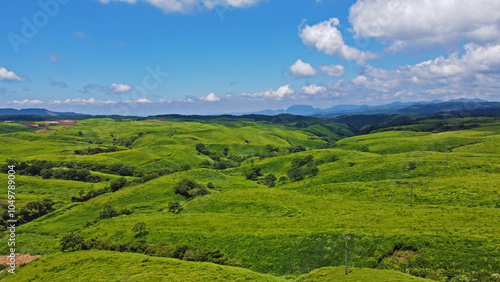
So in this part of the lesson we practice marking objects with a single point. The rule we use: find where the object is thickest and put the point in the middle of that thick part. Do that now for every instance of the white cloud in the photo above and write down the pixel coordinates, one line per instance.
(211, 98)
(301, 69)
(82, 102)
(8, 75)
(26, 102)
(423, 22)
(333, 70)
(278, 94)
(325, 37)
(118, 88)
(313, 89)
(140, 101)
(183, 6)
(474, 71)
(54, 58)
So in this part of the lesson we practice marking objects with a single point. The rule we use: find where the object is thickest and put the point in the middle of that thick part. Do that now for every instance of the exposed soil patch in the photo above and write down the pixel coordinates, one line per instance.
(20, 259)
(61, 122)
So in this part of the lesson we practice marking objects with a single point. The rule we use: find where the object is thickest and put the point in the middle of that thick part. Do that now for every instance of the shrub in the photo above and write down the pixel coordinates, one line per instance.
(140, 229)
(296, 149)
(283, 179)
(412, 165)
(270, 180)
(190, 189)
(71, 241)
(117, 184)
(108, 212)
(174, 207)
(253, 173)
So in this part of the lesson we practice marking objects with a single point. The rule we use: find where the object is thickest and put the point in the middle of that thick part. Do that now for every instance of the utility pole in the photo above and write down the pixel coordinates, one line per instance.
(346, 237)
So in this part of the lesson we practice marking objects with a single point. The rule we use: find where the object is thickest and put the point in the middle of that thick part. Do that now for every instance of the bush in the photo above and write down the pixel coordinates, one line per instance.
(174, 207)
(302, 167)
(108, 212)
(71, 241)
(140, 229)
(412, 165)
(117, 184)
(269, 180)
(253, 173)
(202, 149)
(296, 149)
(190, 189)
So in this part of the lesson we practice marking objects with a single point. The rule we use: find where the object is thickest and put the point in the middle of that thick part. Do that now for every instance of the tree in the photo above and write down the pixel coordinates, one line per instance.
(202, 149)
(108, 212)
(253, 173)
(296, 149)
(190, 189)
(270, 180)
(174, 207)
(118, 184)
(71, 241)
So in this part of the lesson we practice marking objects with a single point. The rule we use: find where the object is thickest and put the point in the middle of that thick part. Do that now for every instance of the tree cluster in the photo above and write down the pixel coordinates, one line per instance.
(98, 150)
(190, 189)
(31, 211)
(302, 167)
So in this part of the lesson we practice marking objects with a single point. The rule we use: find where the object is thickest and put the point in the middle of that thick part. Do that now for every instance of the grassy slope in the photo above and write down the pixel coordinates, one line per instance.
(295, 227)
(110, 266)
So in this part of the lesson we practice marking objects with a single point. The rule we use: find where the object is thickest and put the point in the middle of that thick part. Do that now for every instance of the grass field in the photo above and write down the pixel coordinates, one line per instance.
(291, 231)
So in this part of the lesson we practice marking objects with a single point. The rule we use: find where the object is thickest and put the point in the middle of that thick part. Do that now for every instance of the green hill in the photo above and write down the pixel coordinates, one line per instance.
(358, 185)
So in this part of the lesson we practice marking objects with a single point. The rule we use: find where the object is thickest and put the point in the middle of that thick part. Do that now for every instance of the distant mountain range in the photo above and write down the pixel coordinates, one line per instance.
(35, 112)
(431, 107)
(393, 108)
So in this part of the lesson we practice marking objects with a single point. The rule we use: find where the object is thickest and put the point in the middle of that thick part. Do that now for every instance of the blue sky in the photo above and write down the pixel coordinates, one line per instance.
(222, 56)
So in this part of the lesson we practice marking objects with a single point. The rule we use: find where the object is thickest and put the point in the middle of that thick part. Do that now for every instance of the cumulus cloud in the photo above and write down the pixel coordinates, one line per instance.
(6, 75)
(139, 101)
(325, 37)
(81, 102)
(118, 88)
(54, 83)
(476, 70)
(278, 94)
(313, 89)
(26, 102)
(183, 6)
(333, 70)
(211, 98)
(301, 69)
(423, 22)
